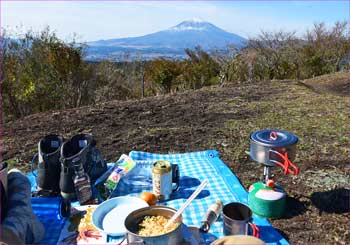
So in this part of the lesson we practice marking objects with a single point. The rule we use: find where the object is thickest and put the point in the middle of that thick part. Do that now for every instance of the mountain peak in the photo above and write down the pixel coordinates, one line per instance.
(170, 42)
(195, 24)
(196, 20)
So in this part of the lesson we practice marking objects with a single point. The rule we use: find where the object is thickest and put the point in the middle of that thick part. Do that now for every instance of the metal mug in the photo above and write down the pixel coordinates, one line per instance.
(3, 188)
(237, 217)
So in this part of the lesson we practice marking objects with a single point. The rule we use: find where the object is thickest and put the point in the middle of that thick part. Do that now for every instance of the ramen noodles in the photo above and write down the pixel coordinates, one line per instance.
(155, 226)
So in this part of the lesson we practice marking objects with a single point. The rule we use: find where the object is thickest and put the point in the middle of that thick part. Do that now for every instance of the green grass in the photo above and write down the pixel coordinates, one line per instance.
(321, 122)
(336, 83)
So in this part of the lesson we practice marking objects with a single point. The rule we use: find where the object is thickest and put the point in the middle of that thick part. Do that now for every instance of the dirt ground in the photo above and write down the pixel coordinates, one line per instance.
(338, 83)
(222, 119)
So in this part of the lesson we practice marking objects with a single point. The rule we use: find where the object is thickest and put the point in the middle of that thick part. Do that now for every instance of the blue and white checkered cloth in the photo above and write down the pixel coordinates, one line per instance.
(195, 167)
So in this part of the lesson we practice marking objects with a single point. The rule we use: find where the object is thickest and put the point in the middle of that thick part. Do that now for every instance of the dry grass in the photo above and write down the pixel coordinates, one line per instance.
(222, 119)
(338, 83)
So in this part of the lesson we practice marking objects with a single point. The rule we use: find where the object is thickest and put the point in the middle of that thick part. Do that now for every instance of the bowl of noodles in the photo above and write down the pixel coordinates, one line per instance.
(147, 226)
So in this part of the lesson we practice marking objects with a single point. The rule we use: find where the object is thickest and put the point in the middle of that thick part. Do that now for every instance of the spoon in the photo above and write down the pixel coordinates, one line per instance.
(189, 200)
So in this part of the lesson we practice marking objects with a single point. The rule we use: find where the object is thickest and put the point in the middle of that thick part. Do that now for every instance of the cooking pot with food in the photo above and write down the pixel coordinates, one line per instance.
(146, 226)
(273, 147)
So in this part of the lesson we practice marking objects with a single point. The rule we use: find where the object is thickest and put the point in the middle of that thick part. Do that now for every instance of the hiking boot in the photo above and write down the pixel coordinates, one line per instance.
(82, 147)
(95, 166)
(49, 166)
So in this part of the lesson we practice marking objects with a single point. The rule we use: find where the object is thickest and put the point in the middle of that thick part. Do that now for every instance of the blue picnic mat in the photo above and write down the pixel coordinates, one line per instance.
(47, 211)
(194, 167)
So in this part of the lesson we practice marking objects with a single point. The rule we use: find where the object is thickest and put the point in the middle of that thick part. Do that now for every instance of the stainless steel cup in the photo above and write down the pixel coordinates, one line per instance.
(237, 218)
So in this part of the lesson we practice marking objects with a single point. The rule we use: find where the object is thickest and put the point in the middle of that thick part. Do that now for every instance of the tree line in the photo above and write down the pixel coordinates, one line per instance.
(41, 72)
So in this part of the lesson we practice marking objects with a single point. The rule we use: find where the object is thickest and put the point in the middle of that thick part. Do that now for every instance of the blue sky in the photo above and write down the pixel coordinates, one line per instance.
(93, 20)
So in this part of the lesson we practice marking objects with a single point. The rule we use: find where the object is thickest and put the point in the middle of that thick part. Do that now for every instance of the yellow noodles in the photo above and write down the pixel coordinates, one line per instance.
(154, 226)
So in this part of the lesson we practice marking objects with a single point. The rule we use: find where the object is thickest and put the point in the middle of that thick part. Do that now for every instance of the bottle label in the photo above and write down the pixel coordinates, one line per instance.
(162, 184)
(83, 189)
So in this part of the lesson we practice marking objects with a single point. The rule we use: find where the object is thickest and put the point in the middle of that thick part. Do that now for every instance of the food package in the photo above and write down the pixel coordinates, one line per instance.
(123, 167)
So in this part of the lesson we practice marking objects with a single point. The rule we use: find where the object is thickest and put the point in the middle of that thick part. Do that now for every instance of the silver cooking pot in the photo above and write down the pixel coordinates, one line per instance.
(133, 220)
(272, 147)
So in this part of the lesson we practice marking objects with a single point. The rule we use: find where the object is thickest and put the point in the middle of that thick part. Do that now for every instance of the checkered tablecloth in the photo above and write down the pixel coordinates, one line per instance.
(195, 167)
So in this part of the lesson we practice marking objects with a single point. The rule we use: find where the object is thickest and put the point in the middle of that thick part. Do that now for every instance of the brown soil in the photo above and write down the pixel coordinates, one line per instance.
(221, 119)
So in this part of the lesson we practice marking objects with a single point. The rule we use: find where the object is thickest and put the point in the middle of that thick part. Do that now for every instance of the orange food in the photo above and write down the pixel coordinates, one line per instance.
(149, 197)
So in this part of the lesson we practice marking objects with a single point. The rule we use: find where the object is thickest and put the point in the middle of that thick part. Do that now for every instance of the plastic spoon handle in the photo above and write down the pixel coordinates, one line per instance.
(189, 200)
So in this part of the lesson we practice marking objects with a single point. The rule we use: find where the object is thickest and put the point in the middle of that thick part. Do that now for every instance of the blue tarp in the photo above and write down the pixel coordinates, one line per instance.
(194, 167)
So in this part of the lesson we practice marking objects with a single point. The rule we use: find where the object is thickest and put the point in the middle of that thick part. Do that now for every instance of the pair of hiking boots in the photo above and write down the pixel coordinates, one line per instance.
(55, 163)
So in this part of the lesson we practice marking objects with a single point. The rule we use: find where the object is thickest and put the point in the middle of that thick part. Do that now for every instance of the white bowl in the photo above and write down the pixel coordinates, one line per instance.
(110, 215)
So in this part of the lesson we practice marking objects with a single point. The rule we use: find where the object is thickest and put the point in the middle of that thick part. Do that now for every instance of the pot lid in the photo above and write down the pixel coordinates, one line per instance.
(273, 138)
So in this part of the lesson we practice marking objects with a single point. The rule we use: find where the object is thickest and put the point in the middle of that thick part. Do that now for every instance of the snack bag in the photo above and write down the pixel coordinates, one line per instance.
(123, 166)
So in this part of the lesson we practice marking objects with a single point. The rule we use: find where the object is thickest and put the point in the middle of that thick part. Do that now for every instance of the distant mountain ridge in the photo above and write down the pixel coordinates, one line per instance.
(169, 43)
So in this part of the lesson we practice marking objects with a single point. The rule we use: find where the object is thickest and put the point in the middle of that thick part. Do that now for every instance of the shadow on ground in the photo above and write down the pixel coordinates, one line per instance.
(294, 208)
(283, 234)
(333, 201)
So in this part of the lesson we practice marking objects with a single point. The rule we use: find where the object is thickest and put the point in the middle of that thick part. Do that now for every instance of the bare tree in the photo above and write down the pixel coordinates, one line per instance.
(276, 50)
(226, 61)
(327, 49)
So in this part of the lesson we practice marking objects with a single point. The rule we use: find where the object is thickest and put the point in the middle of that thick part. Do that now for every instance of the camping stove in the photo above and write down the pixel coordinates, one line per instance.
(271, 148)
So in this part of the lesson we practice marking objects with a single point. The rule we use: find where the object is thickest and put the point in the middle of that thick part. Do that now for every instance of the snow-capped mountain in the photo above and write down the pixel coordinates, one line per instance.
(193, 25)
(171, 42)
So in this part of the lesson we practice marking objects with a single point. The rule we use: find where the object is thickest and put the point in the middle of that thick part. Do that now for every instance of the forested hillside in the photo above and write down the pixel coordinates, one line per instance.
(44, 73)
